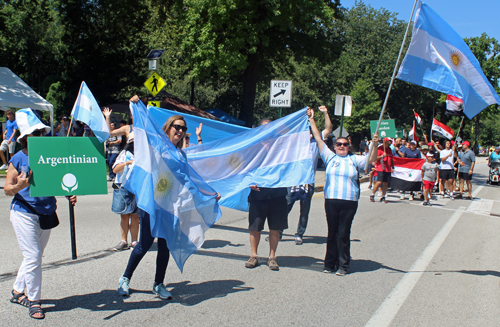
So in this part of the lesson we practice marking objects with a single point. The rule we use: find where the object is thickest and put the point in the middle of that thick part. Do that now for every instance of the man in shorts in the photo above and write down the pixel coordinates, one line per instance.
(384, 166)
(271, 204)
(9, 138)
(466, 163)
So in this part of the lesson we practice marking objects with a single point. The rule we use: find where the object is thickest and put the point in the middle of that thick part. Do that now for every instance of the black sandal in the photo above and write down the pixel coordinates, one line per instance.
(36, 308)
(21, 299)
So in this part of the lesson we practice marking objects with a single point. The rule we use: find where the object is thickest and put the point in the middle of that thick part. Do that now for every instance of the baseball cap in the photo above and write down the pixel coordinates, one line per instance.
(430, 154)
(466, 143)
(413, 142)
(388, 139)
(424, 147)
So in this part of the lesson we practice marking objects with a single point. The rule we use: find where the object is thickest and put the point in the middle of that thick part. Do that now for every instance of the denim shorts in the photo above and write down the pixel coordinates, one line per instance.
(123, 202)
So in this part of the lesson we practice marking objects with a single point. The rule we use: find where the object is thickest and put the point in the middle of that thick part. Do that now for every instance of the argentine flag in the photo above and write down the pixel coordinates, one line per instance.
(277, 154)
(180, 204)
(439, 59)
(87, 110)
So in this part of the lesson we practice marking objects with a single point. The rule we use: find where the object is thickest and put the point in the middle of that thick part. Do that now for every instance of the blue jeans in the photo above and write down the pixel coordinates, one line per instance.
(145, 242)
(305, 206)
(111, 162)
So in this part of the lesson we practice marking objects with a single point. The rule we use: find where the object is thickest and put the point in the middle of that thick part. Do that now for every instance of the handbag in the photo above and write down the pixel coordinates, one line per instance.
(46, 221)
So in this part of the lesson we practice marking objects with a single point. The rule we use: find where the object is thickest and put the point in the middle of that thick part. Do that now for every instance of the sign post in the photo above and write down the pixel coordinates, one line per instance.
(67, 166)
(343, 109)
(280, 95)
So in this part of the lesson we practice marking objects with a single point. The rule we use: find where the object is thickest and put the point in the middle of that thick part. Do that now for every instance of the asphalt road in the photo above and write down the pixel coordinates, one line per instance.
(412, 266)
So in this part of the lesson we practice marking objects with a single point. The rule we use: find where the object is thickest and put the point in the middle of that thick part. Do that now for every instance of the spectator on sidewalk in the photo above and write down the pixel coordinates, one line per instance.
(9, 138)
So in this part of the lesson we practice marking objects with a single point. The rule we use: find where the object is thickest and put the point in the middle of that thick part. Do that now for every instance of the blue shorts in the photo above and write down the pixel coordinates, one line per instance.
(123, 202)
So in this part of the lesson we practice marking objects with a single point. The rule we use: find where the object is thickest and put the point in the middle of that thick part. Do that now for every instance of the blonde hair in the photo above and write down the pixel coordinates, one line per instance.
(169, 124)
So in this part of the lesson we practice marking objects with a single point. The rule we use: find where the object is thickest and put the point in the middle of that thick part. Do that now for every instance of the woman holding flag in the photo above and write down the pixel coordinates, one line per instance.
(342, 193)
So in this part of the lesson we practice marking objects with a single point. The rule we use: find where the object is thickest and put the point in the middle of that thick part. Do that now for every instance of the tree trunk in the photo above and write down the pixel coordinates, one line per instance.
(191, 100)
(249, 89)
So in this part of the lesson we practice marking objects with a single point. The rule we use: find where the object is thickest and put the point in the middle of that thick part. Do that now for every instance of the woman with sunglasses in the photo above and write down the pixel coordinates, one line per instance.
(24, 212)
(341, 196)
(175, 128)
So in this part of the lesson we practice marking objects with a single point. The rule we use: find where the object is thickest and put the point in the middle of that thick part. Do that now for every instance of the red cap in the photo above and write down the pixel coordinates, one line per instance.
(466, 143)
(452, 142)
(388, 139)
(430, 144)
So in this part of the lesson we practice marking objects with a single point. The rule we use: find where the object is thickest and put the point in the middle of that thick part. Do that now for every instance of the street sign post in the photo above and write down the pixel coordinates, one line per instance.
(343, 109)
(154, 84)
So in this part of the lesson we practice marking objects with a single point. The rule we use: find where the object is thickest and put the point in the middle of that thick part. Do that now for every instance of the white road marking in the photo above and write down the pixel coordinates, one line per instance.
(481, 207)
(391, 305)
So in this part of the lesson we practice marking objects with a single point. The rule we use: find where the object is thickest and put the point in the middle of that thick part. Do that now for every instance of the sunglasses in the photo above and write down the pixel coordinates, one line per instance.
(341, 144)
(180, 128)
(36, 133)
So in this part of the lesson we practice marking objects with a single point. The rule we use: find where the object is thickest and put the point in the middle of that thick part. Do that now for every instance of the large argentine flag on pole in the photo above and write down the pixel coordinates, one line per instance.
(277, 154)
(180, 204)
(87, 110)
(439, 59)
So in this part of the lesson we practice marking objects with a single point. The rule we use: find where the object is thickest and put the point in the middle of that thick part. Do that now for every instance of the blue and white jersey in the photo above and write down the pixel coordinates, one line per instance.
(341, 175)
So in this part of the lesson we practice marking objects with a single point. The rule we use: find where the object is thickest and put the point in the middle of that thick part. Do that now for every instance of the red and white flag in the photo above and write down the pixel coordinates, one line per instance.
(412, 133)
(454, 106)
(407, 175)
(442, 129)
(419, 120)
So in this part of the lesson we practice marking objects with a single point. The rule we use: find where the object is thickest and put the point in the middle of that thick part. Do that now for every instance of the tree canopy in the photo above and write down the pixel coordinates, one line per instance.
(224, 53)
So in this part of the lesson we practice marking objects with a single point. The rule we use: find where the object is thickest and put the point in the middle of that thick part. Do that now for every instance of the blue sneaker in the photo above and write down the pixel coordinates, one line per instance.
(162, 292)
(123, 288)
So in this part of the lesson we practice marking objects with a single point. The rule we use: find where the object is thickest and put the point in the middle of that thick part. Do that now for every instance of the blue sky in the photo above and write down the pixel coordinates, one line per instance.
(468, 18)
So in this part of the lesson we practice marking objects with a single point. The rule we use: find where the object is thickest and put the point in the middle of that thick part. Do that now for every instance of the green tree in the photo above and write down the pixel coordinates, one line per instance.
(234, 37)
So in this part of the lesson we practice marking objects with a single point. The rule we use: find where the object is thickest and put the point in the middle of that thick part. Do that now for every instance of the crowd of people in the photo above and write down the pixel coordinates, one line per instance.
(29, 215)
(447, 169)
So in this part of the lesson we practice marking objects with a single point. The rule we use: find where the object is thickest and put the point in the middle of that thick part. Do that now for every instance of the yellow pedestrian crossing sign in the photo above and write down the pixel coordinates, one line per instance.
(155, 83)
(154, 104)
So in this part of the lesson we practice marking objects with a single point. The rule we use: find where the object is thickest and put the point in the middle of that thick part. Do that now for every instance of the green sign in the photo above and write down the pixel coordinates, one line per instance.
(399, 133)
(67, 166)
(387, 128)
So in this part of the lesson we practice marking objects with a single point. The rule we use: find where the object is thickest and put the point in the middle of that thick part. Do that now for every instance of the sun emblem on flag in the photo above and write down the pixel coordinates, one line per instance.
(234, 161)
(164, 185)
(456, 58)
(210, 162)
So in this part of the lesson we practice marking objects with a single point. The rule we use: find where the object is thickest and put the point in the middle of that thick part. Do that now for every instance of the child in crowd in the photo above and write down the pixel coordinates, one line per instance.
(430, 174)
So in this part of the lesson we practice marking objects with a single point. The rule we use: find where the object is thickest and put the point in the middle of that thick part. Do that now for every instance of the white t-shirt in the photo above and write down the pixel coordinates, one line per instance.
(448, 163)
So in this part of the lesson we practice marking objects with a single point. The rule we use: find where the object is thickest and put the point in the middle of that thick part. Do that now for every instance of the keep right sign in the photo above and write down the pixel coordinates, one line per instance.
(281, 94)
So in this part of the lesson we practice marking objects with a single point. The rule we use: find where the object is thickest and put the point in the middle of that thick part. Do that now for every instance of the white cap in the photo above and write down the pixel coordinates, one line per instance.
(27, 122)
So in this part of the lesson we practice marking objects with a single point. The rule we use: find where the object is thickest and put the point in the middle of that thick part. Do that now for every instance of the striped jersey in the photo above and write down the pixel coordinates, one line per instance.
(341, 175)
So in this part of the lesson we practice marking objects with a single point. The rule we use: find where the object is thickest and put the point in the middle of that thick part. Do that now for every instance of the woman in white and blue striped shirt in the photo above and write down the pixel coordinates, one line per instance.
(341, 196)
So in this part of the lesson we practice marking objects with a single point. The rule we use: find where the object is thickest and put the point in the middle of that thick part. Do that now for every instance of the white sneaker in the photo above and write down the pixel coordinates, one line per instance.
(162, 292)
(402, 197)
(411, 197)
(4, 167)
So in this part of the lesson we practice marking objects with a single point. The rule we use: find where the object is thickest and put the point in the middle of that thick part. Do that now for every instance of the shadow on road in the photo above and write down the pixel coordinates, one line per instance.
(362, 265)
(213, 244)
(110, 300)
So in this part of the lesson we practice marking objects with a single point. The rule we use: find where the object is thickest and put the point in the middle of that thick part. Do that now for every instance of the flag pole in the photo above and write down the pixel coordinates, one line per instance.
(393, 76)
(458, 132)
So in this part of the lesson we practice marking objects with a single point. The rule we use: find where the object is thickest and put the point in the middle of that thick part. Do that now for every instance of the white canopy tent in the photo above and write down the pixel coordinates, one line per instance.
(15, 93)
